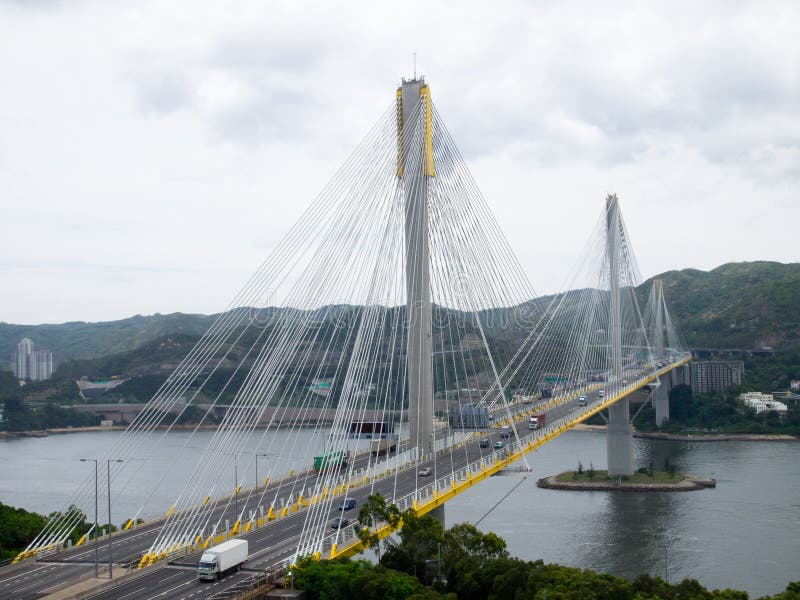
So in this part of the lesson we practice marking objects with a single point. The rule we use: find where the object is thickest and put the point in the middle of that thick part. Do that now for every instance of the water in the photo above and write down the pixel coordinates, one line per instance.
(742, 534)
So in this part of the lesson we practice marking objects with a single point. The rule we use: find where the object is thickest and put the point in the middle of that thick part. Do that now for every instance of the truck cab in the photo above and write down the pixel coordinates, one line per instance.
(221, 559)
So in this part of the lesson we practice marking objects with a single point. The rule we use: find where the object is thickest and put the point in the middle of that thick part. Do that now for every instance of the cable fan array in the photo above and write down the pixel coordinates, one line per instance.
(600, 302)
(312, 352)
(316, 343)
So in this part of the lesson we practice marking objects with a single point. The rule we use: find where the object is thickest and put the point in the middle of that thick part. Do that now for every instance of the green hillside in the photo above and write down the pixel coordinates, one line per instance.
(79, 339)
(738, 305)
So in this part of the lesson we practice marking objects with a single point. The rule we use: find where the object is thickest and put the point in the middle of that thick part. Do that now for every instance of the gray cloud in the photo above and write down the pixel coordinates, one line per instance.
(188, 116)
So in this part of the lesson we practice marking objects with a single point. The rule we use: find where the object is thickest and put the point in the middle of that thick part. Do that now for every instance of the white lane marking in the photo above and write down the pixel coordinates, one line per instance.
(27, 573)
(172, 589)
(133, 592)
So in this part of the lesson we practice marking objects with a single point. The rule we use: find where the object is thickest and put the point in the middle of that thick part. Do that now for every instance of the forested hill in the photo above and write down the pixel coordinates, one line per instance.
(80, 340)
(737, 305)
(745, 305)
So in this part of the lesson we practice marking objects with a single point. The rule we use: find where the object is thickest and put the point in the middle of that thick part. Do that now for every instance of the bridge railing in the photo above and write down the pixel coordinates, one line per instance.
(442, 488)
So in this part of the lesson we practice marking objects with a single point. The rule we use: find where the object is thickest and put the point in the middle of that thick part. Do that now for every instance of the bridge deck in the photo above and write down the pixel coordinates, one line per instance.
(274, 541)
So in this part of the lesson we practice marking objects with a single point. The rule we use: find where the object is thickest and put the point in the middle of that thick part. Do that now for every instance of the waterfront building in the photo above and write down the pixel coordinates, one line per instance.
(716, 375)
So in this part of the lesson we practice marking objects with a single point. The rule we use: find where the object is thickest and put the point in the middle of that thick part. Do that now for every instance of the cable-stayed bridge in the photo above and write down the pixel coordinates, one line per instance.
(392, 344)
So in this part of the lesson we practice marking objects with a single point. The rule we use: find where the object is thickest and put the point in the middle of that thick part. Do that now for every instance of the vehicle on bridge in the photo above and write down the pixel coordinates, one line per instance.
(383, 447)
(583, 400)
(348, 504)
(536, 421)
(222, 559)
(330, 460)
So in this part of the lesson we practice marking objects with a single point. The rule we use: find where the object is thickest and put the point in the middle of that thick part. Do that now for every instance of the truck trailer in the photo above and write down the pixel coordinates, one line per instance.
(536, 421)
(330, 460)
(221, 559)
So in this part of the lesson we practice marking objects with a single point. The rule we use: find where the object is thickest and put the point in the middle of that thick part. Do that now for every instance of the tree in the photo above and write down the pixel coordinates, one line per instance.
(420, 538)
(373, 512)
(17, 528)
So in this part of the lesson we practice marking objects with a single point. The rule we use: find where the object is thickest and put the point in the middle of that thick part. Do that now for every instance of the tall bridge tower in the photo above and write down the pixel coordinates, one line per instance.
(619, 436)
(414, 112)
(415, 136)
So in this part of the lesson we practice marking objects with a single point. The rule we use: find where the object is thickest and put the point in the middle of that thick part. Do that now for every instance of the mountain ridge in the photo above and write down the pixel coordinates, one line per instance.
(735, 305)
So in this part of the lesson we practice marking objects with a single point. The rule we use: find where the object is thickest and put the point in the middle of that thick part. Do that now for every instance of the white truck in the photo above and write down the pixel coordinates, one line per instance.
(221, 559)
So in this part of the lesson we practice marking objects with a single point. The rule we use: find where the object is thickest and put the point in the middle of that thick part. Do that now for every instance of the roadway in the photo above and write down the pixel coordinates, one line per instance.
(31, 579)
(271, 544)
(277, 541)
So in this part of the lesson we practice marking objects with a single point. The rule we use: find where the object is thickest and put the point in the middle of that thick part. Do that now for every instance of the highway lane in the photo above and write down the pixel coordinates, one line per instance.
(277, 541)
(278, 538)
(273, 543)
(70, 565)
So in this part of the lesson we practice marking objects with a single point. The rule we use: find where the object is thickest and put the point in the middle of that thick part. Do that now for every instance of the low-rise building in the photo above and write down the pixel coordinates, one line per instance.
(761, 402)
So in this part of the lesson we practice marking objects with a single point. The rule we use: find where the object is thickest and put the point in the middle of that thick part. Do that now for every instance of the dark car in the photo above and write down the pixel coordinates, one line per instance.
(485, 443)
(339, 523)
(347, 504)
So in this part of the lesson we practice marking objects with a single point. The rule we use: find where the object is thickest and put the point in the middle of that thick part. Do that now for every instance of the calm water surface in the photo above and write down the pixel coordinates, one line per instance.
(744, 534)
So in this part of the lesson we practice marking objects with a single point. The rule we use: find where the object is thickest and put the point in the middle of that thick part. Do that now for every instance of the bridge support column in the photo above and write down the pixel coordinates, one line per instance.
(438, 514)
(660, 397)
(619, 439)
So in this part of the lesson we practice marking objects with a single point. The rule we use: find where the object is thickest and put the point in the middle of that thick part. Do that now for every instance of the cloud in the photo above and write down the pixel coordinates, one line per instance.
(188, 136)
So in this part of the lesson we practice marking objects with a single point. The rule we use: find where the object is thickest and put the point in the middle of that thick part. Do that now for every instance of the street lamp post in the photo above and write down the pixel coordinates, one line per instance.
(236, 488)
(108, 478)
(257, 455)
(94, 460)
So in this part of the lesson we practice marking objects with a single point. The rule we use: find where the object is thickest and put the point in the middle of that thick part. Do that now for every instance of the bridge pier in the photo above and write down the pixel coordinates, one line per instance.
(619, 439)
(660, 399)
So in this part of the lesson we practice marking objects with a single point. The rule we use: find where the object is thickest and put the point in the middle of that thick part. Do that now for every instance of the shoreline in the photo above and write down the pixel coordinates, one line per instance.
(654, 435)
(38, 433)
(699, 437)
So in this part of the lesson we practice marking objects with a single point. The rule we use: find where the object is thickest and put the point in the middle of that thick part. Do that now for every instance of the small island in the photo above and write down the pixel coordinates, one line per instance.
(643, 480)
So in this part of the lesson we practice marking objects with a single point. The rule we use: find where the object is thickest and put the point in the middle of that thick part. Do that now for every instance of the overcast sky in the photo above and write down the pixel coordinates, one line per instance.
(152, 153)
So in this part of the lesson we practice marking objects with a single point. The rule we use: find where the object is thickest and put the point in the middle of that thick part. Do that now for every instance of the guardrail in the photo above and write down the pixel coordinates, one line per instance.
(433, 495)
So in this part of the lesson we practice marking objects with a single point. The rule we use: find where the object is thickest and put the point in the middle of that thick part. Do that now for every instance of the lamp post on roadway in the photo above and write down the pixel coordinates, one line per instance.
(257, 455)
(108, 479)
(236, 487)
(94, 460)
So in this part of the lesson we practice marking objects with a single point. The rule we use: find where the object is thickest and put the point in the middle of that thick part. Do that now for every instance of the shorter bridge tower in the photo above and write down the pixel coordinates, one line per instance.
(660, 395)
(619, 433)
